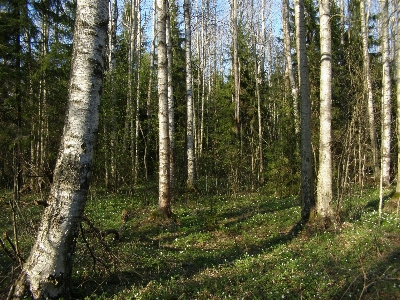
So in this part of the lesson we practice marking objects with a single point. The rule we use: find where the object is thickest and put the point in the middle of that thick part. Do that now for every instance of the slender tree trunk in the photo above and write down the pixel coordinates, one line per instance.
(47, 272)
(164, 200)
(149, 92)
(368, 89)
(203, 63)
(397, 49)
(342, 18)
(112, 41)
(171, 112)
(138, 66)
(132, 87)
(189, 99)
(324, 186)
(129, 99)
(307, 177)
(289, 65)
(236, 73)
(386, 95)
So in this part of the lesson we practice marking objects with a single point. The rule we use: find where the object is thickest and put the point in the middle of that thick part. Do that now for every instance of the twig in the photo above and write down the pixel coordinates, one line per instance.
(88, 247)
(381, 278)
(102, 234)
(15, 249)
(355, 279)
(9, 254)
(12, 288)
(15, 230)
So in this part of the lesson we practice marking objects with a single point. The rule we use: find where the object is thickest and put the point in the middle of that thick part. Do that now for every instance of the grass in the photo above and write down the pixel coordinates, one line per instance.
(221, 247)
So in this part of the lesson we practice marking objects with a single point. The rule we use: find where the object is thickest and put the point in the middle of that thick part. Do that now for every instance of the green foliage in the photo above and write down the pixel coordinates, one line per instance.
(222, 247)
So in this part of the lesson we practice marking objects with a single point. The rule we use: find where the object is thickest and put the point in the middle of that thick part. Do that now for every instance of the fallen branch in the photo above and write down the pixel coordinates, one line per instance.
(379, 279)
(8, 252)
(99, 232)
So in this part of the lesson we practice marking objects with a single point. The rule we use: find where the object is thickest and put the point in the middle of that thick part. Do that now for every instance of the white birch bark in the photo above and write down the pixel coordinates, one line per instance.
(47, 272)
(138, 66)
(189, 99)
(386, 95)
(307, 178)
(171, 112)
(368, 88)
(324, 186)
(164, 203)
(289, 65)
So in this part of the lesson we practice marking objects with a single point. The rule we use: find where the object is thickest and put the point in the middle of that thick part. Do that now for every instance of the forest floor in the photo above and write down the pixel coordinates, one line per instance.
(217, 247)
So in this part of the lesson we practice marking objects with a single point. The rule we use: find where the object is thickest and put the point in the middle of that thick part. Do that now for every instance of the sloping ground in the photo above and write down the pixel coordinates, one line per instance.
(242, 248)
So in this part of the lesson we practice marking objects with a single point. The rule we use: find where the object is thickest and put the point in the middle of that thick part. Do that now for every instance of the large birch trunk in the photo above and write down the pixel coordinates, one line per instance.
(324, 186)
(164, 203)
(307, 177)
(47, 272)
(386, 95)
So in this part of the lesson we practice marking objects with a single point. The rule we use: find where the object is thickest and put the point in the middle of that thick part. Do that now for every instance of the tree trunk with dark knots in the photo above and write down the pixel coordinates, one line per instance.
(307, 177)
(47, 272)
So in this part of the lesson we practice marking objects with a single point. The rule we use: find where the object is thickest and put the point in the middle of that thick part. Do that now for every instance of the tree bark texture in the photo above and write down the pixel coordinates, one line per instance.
(164, 203)
(368, 89)
(47, 272)
(324, 186)
(189, 98)
(171, 106)
(307, 177)
(236, 72)
(289, 67)
(386, 94)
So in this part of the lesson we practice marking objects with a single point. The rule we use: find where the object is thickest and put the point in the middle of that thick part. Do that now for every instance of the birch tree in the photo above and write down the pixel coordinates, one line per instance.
(47, 272)
(386, 94)
(164, 203)
(171, 112)
(307, 178)
(189, 99)
(324, 186)
(288, 59)
(368, 87)
(137, 75)
(236, 71)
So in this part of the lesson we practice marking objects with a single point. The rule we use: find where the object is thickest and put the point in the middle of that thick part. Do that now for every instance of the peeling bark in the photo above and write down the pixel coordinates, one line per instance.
(47, 272)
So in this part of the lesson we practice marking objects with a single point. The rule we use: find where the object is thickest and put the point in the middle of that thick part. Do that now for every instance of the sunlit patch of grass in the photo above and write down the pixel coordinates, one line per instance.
(222, 247)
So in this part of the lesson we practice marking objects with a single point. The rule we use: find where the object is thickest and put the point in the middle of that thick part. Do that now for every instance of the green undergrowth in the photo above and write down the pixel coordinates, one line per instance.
(242, 248)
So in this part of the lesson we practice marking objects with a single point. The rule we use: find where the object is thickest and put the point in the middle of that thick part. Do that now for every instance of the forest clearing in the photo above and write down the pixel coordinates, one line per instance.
(220, 247)
(209, 149)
